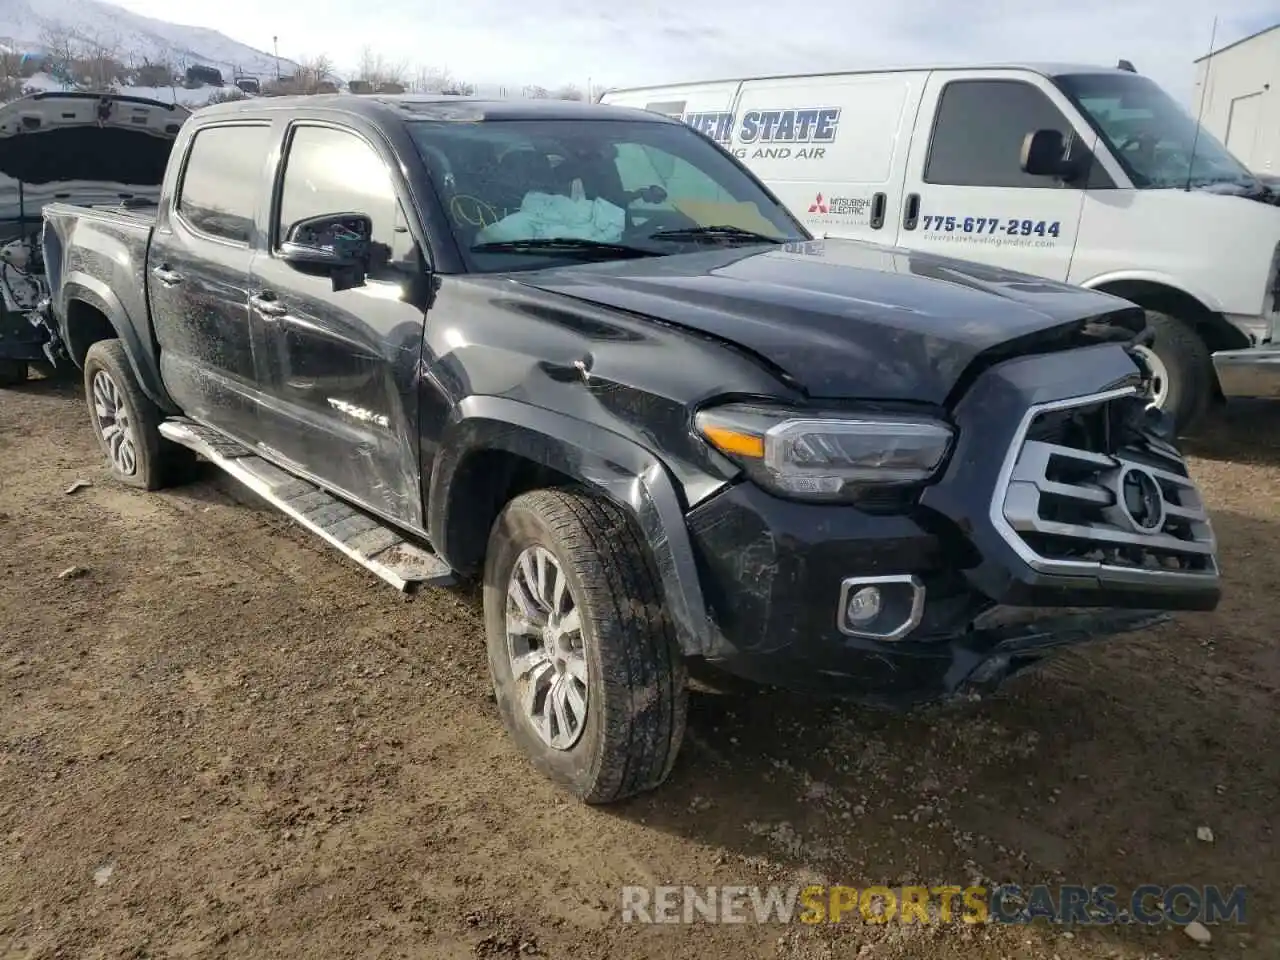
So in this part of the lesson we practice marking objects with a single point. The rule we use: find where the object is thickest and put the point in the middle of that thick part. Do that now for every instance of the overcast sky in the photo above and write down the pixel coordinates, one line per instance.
(550, 42)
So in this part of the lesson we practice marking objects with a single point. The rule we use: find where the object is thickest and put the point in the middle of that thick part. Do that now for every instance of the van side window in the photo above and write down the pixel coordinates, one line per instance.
(978, 133)
(330, 171)
(219, 186)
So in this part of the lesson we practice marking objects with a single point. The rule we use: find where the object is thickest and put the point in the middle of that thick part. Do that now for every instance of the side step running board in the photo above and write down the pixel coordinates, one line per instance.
(375, 546)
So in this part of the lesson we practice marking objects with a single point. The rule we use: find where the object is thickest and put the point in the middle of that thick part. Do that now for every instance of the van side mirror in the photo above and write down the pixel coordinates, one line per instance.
(1044, 154)
(336, 245)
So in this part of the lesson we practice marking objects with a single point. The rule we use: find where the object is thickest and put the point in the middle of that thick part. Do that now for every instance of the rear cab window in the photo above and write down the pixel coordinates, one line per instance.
(218, 193)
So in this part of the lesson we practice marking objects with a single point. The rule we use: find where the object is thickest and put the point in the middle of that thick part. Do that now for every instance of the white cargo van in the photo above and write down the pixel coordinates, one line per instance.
(1087, 175)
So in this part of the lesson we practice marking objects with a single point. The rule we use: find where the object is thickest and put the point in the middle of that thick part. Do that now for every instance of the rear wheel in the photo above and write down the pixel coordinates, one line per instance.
(589, 679)
(1180, 367)
(127, 423)
(12, 372)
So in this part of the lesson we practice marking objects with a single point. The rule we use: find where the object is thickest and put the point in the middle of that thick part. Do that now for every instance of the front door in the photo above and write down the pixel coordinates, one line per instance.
(197, 279)
(341, 366)
(966, 195)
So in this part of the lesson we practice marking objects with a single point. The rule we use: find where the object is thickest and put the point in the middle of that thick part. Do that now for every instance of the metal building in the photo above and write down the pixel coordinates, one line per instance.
(1239, 85)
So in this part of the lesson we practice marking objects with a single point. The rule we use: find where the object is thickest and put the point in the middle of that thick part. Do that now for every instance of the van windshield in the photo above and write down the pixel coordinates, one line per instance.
(525, 194)
(1151, 135)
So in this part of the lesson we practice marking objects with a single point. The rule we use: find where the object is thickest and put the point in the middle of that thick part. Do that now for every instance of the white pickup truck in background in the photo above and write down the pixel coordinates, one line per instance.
(1088, 175)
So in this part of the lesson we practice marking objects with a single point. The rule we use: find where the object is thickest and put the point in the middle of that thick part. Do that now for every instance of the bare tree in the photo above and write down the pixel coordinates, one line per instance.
(12, 82)
(225, 95)
(431, 80)
(377, 70)
(10, 63)
(568, 92)
(154, 74)
(313, 73)
(59, 41)
(537, 93)
(99, 60)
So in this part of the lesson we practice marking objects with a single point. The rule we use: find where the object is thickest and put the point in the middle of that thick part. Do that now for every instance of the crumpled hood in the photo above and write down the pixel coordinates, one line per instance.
(844, 319)
(57, 137)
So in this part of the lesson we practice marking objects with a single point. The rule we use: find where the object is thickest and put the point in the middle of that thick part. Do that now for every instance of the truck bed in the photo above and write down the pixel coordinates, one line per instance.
(99, 253)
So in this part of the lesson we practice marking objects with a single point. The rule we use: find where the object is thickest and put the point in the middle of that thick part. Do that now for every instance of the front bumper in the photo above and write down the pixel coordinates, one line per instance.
(1252, 372)
(773, 571)
(975, 662)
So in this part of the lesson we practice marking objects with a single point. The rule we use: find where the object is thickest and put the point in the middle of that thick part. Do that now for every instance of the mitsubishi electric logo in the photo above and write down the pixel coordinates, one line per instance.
(818, 205)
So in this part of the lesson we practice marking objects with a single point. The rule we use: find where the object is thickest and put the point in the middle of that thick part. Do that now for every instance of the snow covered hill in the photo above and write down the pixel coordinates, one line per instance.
(27, 26)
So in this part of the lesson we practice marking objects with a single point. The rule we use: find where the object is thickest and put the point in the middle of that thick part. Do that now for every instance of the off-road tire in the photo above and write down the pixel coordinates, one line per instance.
(159, 462)
(1191, 375)
(637, 698)
(12, 372)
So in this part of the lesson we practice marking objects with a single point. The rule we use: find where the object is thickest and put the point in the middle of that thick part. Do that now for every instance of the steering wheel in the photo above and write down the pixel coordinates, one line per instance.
(1137, 139)
(472, 211)
(656, 220)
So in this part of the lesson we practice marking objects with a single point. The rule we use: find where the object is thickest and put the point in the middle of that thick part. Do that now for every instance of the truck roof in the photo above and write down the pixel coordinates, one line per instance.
(1044, 69)
(433, 107)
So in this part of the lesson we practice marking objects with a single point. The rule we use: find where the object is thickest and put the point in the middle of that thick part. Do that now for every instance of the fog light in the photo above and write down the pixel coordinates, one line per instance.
(864, 606)
(880, 608)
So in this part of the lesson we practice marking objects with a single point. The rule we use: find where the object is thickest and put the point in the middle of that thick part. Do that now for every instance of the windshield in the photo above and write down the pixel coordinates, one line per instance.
(1150, 133)
(524, 194)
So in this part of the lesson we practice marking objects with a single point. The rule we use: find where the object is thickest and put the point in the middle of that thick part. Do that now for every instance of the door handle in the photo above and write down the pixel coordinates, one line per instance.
(911, 212)
(167, 276)
(878, 203)
(267, 305)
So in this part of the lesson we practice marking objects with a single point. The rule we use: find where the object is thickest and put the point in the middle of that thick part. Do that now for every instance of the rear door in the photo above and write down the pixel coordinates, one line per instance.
(833, 149)
(966, 193)
(198, 277)
(341, 404)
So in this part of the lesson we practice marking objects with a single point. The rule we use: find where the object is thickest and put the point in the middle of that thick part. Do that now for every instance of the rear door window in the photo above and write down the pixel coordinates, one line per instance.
(219, 190)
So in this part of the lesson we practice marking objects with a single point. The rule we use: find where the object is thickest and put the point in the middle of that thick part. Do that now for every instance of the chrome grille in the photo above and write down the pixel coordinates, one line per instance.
(1068, 504)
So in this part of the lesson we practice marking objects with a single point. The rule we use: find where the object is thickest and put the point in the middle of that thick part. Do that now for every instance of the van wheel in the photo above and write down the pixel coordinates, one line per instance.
(127, 423)
(588, 677)
(1181, 369)
(12, 372)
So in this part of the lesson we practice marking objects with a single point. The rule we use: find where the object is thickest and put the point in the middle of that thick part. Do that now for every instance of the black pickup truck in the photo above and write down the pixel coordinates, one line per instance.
(581, 353)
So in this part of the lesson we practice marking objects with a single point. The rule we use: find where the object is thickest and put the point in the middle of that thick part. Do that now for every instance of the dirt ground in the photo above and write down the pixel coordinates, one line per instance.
(220, 739)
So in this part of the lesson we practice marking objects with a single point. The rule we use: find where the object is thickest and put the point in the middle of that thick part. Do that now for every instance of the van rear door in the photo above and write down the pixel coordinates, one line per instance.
(833, 149)
(966, 193)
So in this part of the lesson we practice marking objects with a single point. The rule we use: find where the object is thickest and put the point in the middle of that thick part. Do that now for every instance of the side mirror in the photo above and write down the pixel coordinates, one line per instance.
(335, 244)
(1044, 154)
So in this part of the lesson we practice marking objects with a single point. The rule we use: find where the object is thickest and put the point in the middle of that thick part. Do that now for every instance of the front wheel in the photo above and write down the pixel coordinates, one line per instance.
(1181, 369)
(588, 677)
(12, 372)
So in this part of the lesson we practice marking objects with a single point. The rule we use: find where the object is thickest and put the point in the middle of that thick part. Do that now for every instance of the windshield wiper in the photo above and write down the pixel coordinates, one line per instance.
(570, 245)
(717, 233)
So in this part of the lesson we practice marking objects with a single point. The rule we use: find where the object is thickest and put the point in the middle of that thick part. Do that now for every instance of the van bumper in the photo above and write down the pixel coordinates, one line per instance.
(1251, 372)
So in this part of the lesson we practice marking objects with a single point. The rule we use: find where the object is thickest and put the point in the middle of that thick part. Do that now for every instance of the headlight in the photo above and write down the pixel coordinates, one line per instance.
(827, 456)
